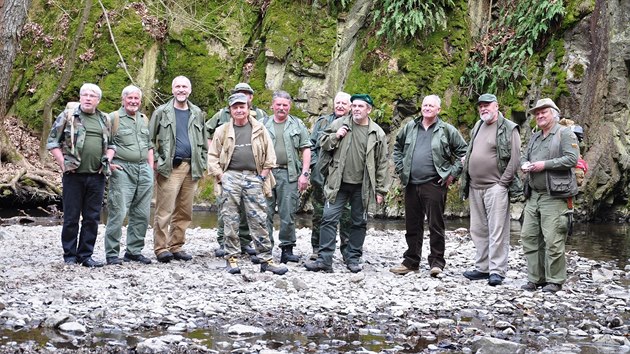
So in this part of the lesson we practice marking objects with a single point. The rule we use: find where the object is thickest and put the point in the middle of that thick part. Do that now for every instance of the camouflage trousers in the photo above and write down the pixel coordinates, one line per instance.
(244, 187)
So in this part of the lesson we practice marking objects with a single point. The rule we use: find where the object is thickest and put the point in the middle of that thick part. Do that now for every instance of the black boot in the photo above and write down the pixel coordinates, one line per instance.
(288, 256)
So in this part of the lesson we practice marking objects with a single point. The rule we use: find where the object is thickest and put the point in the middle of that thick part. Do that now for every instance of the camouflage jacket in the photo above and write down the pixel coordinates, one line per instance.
(68, 133)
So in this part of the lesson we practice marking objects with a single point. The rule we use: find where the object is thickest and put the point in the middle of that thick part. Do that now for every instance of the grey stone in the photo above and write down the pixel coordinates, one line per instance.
(240, 330)
(489, 345)
(72, 327)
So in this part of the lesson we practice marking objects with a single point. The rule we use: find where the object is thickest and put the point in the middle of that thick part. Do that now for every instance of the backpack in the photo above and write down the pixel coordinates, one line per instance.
(116, 122)
(582, 166)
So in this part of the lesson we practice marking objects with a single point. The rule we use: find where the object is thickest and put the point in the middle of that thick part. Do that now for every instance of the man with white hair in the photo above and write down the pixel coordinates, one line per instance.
(81, 143)
(179, 139)
(341, 106)
(131, 183)
(358, 175)
(548, 161)
(427, 157)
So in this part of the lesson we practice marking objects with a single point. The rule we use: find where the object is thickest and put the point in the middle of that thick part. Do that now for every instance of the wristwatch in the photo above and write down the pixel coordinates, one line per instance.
(305, 174)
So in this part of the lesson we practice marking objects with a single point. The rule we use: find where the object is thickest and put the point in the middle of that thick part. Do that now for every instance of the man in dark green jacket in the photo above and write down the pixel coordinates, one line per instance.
(357, 175)
(179, 139)
(427, 157)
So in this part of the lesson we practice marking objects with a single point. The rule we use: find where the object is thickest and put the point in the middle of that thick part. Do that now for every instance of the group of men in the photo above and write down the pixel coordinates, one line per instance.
(261, 164)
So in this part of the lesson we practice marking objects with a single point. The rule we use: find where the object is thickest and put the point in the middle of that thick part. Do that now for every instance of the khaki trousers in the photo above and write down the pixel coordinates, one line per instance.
(173, 209)
(490, 228)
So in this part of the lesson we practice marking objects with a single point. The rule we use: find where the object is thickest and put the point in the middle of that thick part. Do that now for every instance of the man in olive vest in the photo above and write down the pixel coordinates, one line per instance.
(490, 167)
(549, 159)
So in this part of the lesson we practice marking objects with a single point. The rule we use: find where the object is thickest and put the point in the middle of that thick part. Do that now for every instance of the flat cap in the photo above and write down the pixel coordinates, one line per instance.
(487, 97)
(544, 103)
(363, 97)
(238, 97)
(243, 86)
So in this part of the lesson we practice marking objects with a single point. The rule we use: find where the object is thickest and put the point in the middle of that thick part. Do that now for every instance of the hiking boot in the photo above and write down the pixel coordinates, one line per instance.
(288, 256)
(182, 256)
(165, 257)
(248, 249)
(495, 279)
(231, 266)
(269, 266)
(476, 275)
(402, 269)
(551, 288)
(435, 271)
(136, 258)
(317, 266)
(114, 261)
(314, 255)
(354, 267)
(255, 260)
(530, 286)
(219, 252)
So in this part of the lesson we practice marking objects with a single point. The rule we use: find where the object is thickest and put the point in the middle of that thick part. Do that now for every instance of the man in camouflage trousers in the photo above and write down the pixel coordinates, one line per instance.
(217, 120)
(241, 157)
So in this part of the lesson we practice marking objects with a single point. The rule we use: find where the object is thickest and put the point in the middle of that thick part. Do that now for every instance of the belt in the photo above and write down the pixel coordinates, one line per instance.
(186, 160)
(282, 166)
(119, 161)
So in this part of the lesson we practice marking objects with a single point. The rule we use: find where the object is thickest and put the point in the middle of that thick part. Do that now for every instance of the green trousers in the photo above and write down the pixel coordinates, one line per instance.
(543, 238)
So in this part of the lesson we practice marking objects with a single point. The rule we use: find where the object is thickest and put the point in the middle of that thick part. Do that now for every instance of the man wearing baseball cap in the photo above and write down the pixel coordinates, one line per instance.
(490, 173)
(548, 161)
(241, 158)
(359, 148)
(218, 119)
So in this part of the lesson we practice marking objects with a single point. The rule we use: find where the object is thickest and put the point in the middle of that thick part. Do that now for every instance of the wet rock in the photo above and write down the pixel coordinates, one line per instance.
(245, 330)
(72, 327)
(602, 275)
(57, 319)
(487, 345)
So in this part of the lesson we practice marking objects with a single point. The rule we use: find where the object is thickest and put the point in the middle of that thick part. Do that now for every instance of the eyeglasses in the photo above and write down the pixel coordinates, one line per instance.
(90, 95)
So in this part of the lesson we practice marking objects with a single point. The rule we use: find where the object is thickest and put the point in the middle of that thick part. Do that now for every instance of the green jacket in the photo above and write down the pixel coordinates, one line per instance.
(68, 134)
(375, 176)
(447, 148)
(295, 138)
(162, 132)
(131, 136)
(223, 116)
(504, 153)
(319, 127)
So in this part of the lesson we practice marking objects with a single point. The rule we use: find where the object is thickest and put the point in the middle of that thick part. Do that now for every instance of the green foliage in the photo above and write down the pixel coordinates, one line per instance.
(205, 190)
(499, 59)
(407, 19)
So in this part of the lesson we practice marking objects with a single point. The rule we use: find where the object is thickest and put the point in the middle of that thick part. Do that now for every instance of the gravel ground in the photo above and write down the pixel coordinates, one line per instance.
(196, 306)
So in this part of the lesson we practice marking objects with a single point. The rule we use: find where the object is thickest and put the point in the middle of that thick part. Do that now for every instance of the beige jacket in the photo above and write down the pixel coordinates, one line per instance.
(222, 147)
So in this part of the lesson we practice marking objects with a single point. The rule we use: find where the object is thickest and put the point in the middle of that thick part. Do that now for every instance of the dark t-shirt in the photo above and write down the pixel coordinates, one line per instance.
(93, 146)
(182, 145)
(422, 167)
(355, 160)
(243, 155)
(279, 147)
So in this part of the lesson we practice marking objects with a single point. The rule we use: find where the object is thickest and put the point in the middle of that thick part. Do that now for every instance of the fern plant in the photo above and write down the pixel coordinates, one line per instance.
(406, 19)
(499, 58)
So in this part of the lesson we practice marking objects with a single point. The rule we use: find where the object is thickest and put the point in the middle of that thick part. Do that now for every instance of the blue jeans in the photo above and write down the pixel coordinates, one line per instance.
(82, 198)
(348, 193)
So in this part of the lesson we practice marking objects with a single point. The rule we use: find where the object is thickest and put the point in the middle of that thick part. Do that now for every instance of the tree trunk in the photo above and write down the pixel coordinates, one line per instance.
(66, 75)
(12, 17)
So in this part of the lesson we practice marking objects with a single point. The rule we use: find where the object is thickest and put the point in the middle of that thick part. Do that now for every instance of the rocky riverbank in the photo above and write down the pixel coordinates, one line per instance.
(48, 306)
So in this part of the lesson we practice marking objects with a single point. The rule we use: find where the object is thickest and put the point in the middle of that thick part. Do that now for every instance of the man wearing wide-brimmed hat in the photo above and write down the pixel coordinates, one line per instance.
(217, 120)
(490, 174)
(549, 159)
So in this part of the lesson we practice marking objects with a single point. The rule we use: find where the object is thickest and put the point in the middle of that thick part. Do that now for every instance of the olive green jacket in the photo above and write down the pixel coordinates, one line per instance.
(504, 153)
(295, 139)
(375, 176)
(162, 132)
(447, 148)
(68, 133)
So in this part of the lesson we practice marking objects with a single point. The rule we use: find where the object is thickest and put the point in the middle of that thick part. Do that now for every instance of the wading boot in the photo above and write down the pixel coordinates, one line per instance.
(288, 256)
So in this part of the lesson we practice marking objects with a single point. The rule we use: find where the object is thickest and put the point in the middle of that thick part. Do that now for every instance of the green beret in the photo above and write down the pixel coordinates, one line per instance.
(487, 97)
(363, 97)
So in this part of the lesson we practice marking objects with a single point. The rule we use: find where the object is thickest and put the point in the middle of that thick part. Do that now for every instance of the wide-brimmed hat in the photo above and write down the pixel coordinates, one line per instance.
(363, 97)
(242, 86)
(238, 97)
(487, 97)
(544, 103)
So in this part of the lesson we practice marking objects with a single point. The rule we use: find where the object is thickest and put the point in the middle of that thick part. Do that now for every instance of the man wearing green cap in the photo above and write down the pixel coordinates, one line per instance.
(218, 119)
(427, 157)
(357, 175)
(290, 137)
(241, 158)
(490, 171)
(549, 159)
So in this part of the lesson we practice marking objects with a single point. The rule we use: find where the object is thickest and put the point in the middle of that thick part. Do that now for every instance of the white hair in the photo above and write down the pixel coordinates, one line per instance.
(342, 96)
(131, 89)
(555, 113)
(436, 98)
(93, 88)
